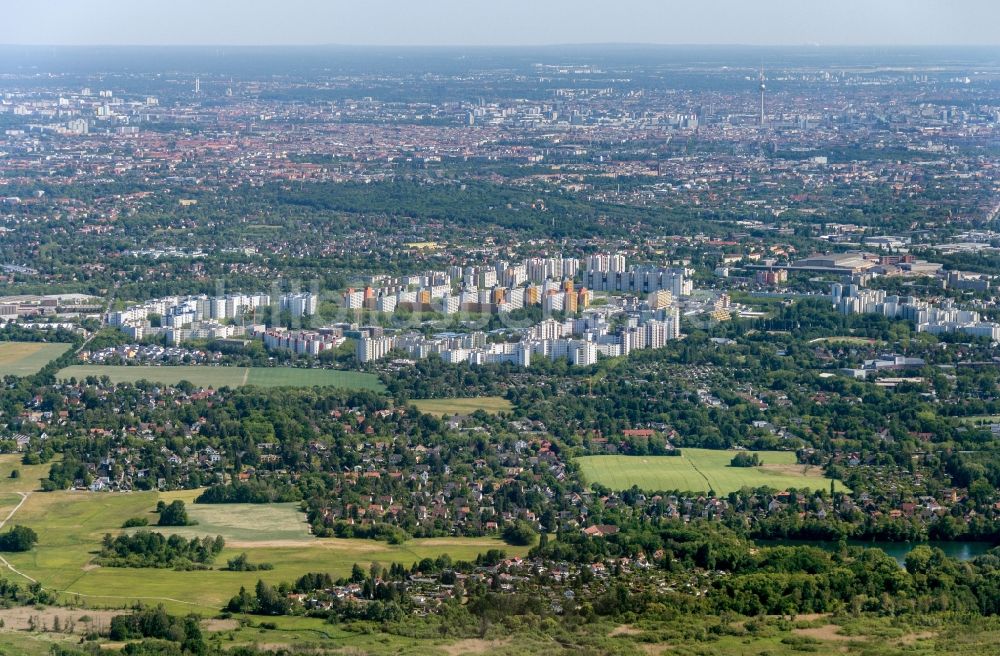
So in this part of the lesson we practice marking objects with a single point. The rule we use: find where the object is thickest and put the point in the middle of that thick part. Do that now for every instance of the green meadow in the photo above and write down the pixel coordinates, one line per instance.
(70, 526)
(215, 377)
(26, 358)
(463, 406)
(700, 470)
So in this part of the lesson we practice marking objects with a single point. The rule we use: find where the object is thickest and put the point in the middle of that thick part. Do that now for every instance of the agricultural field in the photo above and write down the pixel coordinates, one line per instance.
(70, 526)
(699, 470)
(26, 358)
(228, 376)
(456, 406)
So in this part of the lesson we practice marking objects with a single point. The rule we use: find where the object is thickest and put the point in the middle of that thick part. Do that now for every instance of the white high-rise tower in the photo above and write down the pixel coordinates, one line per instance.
(763, 88)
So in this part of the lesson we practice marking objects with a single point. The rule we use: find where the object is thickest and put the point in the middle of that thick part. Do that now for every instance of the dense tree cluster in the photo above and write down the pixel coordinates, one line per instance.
(746, 459)
(148, 549)
(13, 594)
(18, 538)
(172, 514)
(156, 623)
(250, 492)
(242, 563)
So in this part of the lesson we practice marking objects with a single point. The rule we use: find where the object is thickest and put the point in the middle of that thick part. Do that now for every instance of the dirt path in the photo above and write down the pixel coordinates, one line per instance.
(827, 632)
(702, 474)
(11, 568)
(126, 598)
(6, 563)
(24, 497)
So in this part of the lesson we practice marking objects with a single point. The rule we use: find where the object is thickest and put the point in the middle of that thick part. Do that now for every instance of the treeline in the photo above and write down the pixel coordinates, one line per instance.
(745, 459)
(431, 378)
(374, 531)
(62, 474)
(148, 549)
(173, 514)
(791, 526)
(156, 623)
(12, 594)
(264, 600)
(242, 563)
(480, 205)
(14, 333)
(381, 588)
(789, 579)
(250, 492)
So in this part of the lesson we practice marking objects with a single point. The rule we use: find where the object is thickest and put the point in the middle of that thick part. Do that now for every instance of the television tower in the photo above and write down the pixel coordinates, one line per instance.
(763, 88)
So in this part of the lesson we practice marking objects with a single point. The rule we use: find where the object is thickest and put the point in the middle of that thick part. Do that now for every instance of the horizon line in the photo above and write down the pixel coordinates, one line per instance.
(646, 44)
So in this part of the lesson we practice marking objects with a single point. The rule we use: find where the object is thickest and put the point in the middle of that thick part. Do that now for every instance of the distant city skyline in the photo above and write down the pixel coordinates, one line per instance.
(515, 22)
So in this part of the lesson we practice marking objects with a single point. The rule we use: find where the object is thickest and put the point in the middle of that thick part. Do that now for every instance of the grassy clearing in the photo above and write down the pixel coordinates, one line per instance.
(980, 420)
(244, 522)
(455, 406)
(228, 376)
(699, 470)
(19, 643)
(845, 339)
(70, 526)
(26, 358)
(28, 480)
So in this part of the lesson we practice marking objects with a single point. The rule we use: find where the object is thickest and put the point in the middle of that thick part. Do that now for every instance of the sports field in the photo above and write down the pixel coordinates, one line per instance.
(70, 526)
(699, 470)
(228, 376)
(26, 358)
(456, 406)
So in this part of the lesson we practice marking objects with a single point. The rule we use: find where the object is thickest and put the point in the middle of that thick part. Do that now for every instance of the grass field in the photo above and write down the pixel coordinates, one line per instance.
(699, 470)
(228, 376)
(26, 358)
(29, 479)
(979, 420)
(845, 339)
(241, 522)
(455, 406)
(70, 526)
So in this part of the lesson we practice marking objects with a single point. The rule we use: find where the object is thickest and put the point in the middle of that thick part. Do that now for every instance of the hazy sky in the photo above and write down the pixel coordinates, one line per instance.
(500, 22)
